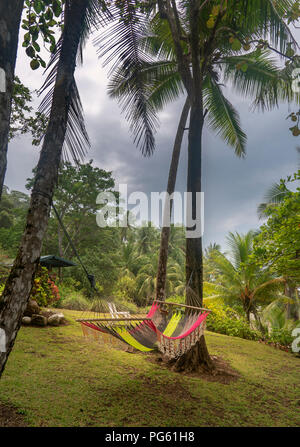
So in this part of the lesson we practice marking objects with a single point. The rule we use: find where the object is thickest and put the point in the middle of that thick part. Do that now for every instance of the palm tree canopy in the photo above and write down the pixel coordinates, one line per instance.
(252, 73)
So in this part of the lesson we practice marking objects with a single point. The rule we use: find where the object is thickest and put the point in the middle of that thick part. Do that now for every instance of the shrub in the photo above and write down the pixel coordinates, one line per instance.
(125, 289)
(76, 301)
(176, 299)
(227, 321)
(123, 304)
(281, 337)
(44, 290)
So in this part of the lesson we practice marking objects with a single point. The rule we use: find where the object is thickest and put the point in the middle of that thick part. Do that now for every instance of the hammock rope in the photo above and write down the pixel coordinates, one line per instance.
(172, 328)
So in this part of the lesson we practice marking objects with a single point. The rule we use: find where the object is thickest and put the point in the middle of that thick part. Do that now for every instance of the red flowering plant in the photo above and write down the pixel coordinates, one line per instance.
(44, 290)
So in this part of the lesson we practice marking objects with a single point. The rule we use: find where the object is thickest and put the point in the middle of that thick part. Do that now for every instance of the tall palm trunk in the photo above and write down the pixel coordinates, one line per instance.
(10, 18)
(165, 232)
(197, 358)
(194, 261)
(19, 283)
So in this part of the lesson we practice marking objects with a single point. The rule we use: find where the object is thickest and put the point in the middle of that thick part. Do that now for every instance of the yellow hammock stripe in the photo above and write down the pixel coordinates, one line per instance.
(130, 340)
(172, 325)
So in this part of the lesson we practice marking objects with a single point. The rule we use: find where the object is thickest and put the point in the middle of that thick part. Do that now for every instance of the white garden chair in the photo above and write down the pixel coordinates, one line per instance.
(116, 314)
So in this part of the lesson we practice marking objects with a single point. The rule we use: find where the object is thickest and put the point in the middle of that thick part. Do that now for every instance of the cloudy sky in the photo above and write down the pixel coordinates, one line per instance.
(233, 187)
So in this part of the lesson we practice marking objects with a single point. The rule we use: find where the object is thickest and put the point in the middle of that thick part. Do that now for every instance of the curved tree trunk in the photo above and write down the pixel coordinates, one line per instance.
(19, 283)
(165, 232)
(10, 18)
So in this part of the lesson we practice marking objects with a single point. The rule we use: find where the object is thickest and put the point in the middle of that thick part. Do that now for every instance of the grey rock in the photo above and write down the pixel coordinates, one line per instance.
(38, 320)
(56, 319)
(26, 320)
(32, 308)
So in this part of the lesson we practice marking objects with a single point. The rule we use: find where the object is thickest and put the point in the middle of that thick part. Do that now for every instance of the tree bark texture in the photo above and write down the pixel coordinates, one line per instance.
(10, 18)
(19, 283)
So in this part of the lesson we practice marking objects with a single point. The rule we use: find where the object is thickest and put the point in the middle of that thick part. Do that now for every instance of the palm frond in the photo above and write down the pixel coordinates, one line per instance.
(264, 19)
(240, 246)
(76, 139)
(275, 312)
(157, 40)
(225, 271)
(261, 79)
(161, 78)
(120, 45)
(274, 196)
(223, 118)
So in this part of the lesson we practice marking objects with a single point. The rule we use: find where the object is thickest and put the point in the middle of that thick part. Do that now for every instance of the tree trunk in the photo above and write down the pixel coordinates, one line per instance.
(291, 308)
(20, 280)
(194, 262)
(258, 321)
(60, 240)
(10, 18)
(197, 358)
(165, 232)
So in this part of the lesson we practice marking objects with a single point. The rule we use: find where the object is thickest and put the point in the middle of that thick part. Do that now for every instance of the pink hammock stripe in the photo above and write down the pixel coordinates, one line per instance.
(150, 314)
(197, 323)
(92, 326)
(152, 311)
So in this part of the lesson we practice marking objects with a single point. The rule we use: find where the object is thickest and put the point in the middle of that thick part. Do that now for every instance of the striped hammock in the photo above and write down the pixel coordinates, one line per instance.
(172, 328)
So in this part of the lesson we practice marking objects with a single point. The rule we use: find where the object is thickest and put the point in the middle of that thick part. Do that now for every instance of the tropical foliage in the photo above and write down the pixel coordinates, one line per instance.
(237, 281)
(228, 321)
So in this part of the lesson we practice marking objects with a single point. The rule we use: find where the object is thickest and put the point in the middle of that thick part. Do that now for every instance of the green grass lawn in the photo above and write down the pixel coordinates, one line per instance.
(56, 377)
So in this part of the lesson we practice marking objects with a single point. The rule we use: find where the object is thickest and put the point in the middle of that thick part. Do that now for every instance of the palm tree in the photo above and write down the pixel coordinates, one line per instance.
(274, 196)
(10, 13)
(203, 45)
(217, 29)
(65, 125)
(255, 74)
(208, 272)
(131, 262)
(240, 281)
(146, 278)
(211, 248)
(176, 277)
(147, 239)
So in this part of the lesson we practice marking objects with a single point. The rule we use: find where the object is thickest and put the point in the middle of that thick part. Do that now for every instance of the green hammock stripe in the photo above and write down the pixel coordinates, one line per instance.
(172, 325)
(130, 340)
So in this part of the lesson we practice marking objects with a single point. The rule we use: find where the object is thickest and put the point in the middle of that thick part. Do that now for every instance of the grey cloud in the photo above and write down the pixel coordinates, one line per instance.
(233, 187)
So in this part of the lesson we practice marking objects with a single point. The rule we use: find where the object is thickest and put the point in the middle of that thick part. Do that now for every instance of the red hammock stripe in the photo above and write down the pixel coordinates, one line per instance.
(92, 326)
(197, 323)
